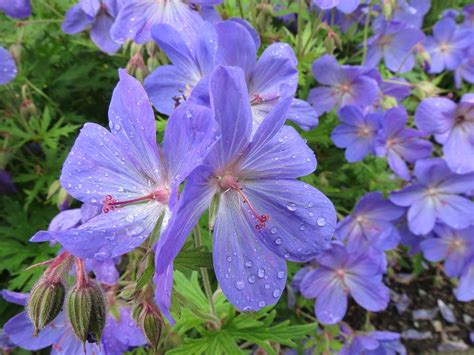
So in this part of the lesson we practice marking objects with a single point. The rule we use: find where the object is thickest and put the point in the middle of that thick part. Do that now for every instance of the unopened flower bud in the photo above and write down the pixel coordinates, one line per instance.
(151, 323)
(387, 8)
(426, 89)
(15, 51)
(45, 302)
(86, 311)
(389, 102)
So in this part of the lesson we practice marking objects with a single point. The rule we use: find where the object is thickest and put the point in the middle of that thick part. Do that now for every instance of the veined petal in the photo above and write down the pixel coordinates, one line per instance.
(236, 46)
(163, 288)
(323, 99)
(303, 115)
(136, 18)
(315, 281)
(15, 297)
(190, 134)
(435, 115)
(231, 108)
(90, 7)
(368, 292)
(112, 234)
(461, 139)
(331, 304)
(302, 220)
(250, 275)
(422, 216)
(286, 155)
(455, 211)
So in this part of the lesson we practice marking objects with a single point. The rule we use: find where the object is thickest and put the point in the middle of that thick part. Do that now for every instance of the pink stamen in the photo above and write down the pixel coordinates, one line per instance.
(257, 99)
(262, 218)
(110, 203)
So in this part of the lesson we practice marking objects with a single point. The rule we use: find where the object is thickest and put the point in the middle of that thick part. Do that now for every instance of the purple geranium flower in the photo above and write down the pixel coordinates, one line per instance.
(125, 172)
(395, 43)
(340, 274)
(435, 196)
(371, 224)
(16, 8)
(345, 6)
(356, 132)
(453, 126)
(453, 246)
(100, 14)
(400, 144)
(7, 67)
(119, 335)
(137, 17)
(235, 43)
(342, 85)
(468, 13)
(263, 215)
(411, 13)
(447, 45)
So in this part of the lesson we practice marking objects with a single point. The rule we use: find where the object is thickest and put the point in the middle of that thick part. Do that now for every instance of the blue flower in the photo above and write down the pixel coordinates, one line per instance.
(7, 67)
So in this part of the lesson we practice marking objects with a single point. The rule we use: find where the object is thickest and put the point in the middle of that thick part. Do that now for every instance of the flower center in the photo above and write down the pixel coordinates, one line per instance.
(229, 182)
(456, 245)
(110, 204)
(340, 273)
(364, 131)
(345, 88)
(385, 40)
(444, 47)
(179, 99)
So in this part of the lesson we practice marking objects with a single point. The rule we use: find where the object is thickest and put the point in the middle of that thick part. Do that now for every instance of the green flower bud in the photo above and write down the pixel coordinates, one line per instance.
(45, 302)
(389, 102)
(152, 324)
(86, 311)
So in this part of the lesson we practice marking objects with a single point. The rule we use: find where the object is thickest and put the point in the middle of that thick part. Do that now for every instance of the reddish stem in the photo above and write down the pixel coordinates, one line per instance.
(81, 275)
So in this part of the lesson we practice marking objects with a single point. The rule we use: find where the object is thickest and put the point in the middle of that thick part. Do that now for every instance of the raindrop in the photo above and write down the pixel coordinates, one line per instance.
(251, 279)
(281, 274)
(229, 259)
(276, 293)
(273, 230)
(130, 218)
(261, 304)
(321, 222)
(248, 263)
(239, 285)
(302, 227)
(189, 114)
(278, 241)
(117, 127)
(261, 273)
(267, 286)
(291, 206)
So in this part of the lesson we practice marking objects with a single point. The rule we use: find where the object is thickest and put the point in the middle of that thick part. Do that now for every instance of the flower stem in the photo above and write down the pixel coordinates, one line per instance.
(204, 274)
(366, 34)
(299, 39)
(241, 9)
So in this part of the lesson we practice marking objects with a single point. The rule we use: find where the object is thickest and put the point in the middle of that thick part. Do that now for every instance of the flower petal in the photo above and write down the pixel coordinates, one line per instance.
(368, 292)
(331, 304)
(286, 155)
(163, 289)
(435, 115)
(100, 34)
(231, 108)
(315, 281)
(303, 115)
(7, 67)
(422, 216)
(250, 275)
(302, 220)
(15, 297)
(112, 234)
(456, 211)
(75, 20)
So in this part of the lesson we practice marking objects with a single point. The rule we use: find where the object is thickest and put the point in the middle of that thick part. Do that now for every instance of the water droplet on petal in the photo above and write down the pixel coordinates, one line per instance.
(261, 304)
(276, 293)
(291, 206)
(267, 286)
(239, 285)
(229, 259)
(302, 227)
(251, 279)
(273, 230)
(248, 263)
(261, 273)
(321, 222)
(281, 274)
(278, 241)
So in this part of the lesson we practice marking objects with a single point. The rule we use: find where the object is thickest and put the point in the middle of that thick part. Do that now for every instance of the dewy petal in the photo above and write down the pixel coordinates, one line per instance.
(302, 220)
(136, 18)
(285, 156)
(75, 20)
(195, 199)
(368, 292)
(163, 288)
(303, 115)
(435, 115)
(331, 305)
(7, 67)
(276, 66)
(315, 281)
(231, 108)
(112, 234)
(20, 331)
(236, 46)
(190, 134)
(100, 34)
(250, 275)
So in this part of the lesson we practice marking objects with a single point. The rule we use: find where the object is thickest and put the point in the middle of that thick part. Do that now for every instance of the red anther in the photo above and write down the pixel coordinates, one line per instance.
(257, 99)
(262, 218)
